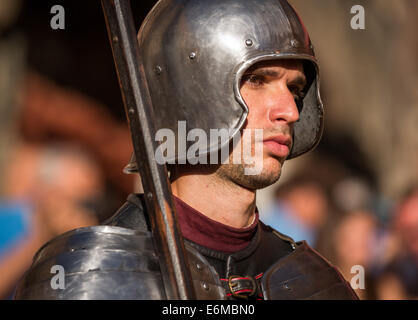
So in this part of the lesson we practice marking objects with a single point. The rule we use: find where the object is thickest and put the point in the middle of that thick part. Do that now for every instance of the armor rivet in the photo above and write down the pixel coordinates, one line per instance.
(158, 69)
(149, 195)
(248, 42)
(115, 39)
(198, 266)
(293, 43)
(293, 246)
(286, 286)
(205, 286)
(131, 111)
(192, 55)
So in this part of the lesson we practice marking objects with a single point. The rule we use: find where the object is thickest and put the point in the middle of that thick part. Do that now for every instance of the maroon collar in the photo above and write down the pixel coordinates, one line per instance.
(209, 233)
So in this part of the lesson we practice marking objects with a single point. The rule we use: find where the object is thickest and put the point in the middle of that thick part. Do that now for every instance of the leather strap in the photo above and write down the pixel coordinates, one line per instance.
(243, 287)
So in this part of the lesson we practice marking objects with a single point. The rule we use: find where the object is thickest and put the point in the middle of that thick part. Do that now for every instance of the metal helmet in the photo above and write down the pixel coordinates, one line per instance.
(196, 52)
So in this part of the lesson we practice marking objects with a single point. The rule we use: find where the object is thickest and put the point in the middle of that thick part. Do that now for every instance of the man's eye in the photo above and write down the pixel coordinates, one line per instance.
(253, 79)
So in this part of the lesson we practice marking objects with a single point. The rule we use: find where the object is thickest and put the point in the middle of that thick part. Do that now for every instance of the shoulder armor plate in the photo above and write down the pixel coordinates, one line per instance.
(305, 274)
(108, 262)
(101, 262)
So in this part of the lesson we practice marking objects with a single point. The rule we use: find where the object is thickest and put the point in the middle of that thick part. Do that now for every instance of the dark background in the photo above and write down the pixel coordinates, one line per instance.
(52, 52)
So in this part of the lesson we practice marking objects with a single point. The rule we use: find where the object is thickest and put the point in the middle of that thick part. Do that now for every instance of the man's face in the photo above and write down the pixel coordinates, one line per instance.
(271, 91)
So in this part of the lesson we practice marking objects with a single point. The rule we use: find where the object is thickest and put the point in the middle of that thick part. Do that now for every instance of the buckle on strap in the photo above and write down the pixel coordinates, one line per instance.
(242, 287)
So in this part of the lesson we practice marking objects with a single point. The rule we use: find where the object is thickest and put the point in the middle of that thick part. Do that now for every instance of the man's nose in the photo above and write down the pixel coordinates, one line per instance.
(283, 107)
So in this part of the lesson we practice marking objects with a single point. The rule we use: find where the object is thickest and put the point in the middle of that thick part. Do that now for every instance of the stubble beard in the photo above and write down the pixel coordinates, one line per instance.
(236, 174)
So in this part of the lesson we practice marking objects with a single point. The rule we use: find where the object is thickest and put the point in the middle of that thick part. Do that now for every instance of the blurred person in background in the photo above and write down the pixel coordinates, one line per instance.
(353, 239)
(349, 237)
(300, 208)
(398, 278)
(56, 179)
(48, 190)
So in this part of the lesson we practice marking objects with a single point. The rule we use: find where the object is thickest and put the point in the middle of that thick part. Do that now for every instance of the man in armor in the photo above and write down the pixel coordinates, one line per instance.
(232, 65)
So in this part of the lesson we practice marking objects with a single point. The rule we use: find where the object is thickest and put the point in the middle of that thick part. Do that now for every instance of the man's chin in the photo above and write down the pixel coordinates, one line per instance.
(270, 174)
(261, 180)
(250, 176)
(264, 182)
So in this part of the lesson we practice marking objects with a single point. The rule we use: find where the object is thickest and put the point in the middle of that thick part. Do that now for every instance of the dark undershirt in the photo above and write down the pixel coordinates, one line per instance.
(245, 251)
(211, 234)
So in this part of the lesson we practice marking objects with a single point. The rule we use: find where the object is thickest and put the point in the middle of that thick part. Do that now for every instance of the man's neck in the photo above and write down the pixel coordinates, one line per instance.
(219, 200)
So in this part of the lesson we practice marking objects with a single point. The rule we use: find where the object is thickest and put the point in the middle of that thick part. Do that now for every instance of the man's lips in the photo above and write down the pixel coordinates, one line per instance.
(279, 146)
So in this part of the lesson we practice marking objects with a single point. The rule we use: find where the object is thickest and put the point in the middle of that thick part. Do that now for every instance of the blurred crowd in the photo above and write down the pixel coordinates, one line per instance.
(63, 171)
(373, 244)
(62, 152)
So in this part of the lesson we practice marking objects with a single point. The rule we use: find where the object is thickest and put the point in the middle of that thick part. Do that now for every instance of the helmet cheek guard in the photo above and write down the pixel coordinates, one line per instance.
(196, 52)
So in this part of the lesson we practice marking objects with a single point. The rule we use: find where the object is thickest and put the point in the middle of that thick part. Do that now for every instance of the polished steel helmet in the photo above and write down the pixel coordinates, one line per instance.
(196, 52)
